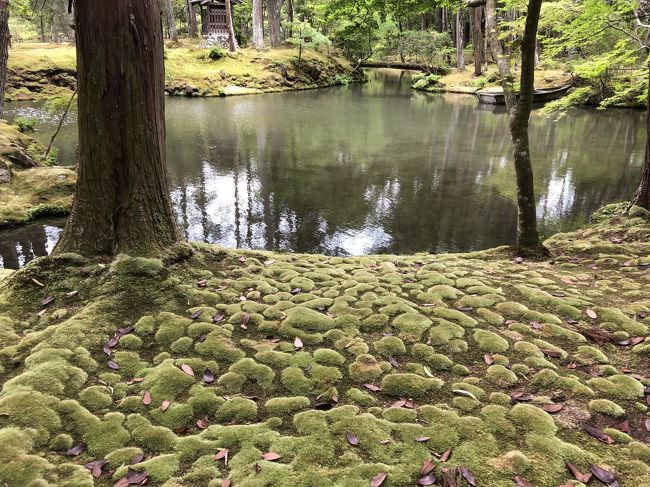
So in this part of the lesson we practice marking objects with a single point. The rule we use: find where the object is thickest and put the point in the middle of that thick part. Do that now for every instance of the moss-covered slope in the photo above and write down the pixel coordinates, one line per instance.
(29, 189)
(195, 366)
(38, 71)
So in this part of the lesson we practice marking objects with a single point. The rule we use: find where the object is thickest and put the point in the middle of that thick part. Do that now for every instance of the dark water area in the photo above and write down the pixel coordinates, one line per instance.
(374, 168)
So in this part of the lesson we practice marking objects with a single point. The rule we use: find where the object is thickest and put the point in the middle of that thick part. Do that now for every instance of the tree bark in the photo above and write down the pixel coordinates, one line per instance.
(192, 26)
(232, 40)
(460, 41)
(642, 195)
(171, 20)
(477, 40)
(258, 24)
(122, 202)
(5, 39)
(519, 114)
(274, 22)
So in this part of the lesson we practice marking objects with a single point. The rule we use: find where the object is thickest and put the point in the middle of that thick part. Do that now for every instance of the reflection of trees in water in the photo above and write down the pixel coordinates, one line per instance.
(23, 244)
(414, 172)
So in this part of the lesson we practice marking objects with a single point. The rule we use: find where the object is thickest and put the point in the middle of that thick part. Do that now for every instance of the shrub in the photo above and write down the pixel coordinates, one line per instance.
(423, 80)
(216, 53)
(25, 124)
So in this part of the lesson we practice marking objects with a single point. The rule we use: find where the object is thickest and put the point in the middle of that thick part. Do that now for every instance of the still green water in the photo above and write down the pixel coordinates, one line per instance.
(371, 168)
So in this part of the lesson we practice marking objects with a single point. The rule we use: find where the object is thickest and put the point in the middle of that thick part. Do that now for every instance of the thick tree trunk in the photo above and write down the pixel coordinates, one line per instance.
(171, 20)
(274, 22)
(477, 40)
(258, 24)
(232, 40)
(519, 114)
(460, 41)
(642, 196)
(122, 202)
(192, 27)
(5, 39)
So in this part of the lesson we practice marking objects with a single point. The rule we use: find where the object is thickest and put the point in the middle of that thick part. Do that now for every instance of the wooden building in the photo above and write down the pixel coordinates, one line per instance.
(213, 17)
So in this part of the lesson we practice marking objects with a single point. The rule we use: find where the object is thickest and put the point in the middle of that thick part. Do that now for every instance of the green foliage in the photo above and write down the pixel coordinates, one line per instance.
(216, 53)
(428, 48)
(25, 124)
(422, 81)
(303, 35)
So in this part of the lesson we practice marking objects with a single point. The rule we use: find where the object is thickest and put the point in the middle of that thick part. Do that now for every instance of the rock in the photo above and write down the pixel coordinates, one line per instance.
(5, 173)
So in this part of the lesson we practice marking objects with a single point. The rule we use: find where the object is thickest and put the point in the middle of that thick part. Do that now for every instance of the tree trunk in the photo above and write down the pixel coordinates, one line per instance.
(192, 27)
(274, 22)
(258, 24)
(477, 40)
(232, 40)
(290, 14)
(5, 39)
(642, 196)
(445, 19)
(122, 202)
(400, 29)
(460, 41)
(171, 20)
(519, 114)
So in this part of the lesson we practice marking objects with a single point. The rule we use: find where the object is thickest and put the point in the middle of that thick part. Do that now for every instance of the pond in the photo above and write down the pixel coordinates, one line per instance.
(373, 168)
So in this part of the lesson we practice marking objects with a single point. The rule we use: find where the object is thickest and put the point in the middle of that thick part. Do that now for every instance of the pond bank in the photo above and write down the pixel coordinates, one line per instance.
(313, 370)
(28, 188)
(41, 71)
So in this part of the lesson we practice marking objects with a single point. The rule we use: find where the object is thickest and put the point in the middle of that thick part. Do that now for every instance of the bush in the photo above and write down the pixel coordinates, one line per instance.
(25, 124)
(480, 82)
(216, 53)
(423, 80)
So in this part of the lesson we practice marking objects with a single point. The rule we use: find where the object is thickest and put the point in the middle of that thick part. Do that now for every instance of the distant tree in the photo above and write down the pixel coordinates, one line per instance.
(477, 39)
(122, 202)
(519, 108)
(232, 40)
(273, 7)
(304, 35)
(258, 24)
(460, 40)
(5, 40)
(171, 20)
(192, 27)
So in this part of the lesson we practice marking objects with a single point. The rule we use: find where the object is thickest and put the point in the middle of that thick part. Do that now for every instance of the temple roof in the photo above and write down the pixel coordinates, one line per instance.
(213, 2)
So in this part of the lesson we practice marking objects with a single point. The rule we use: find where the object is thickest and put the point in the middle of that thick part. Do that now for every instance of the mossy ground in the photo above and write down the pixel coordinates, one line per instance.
(400, 324)
(466, 82)
(37, 192)
(28, 193)
(39, 71)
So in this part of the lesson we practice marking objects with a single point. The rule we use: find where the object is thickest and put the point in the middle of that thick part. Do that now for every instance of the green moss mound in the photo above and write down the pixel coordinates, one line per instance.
(349, 377)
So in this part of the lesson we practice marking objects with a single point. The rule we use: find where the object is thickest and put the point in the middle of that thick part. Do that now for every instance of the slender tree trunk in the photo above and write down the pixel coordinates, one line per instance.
(400, 29)
(59, 125)
(290, 14)
(477, 40)
(171, 20)
(5, 39)
(41, 29)
(258, 24)
(445, 19)
(232, 40)
(122, 202)
(519, 114)
(642, 196)
(274, 22)
(460, 41)
(192, 27)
